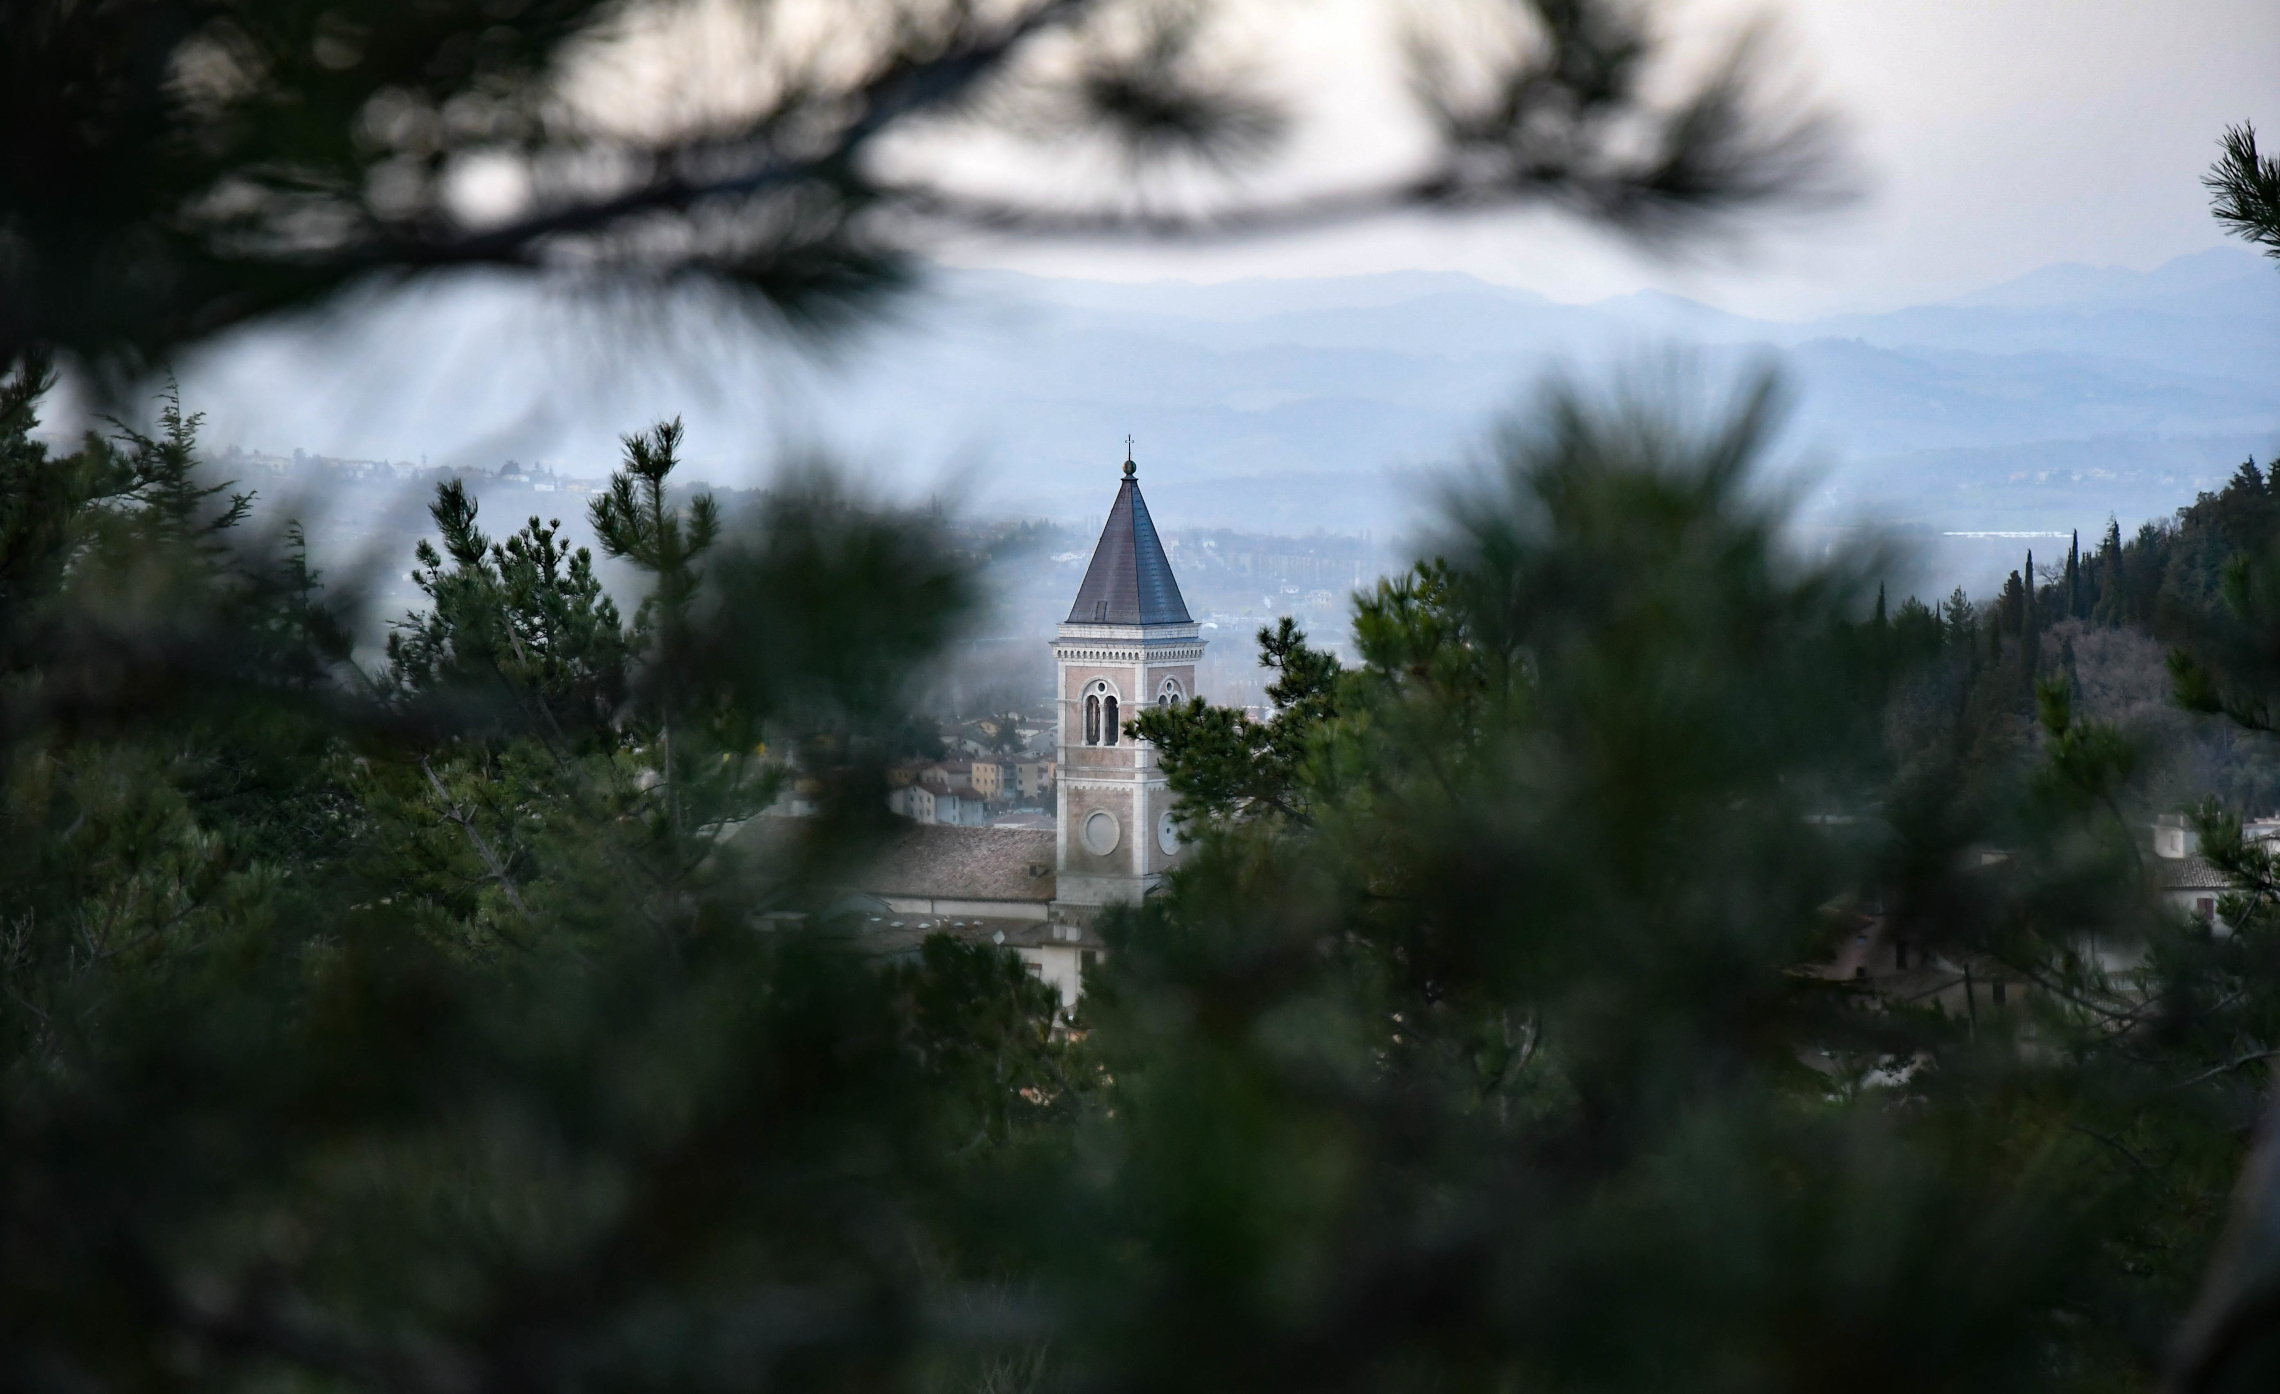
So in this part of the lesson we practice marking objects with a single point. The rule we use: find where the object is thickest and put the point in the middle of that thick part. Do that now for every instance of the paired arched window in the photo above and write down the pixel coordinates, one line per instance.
(1168, 694)
(1100, 715)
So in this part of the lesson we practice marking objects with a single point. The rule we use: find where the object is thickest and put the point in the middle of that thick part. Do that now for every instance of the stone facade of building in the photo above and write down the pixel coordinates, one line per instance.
(1127, 644)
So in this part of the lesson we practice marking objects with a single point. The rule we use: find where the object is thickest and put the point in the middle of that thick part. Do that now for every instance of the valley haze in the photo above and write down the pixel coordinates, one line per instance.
(2044, 404)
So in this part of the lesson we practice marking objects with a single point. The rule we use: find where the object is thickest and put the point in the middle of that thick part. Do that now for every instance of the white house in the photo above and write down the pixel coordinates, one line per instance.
(2186, 881)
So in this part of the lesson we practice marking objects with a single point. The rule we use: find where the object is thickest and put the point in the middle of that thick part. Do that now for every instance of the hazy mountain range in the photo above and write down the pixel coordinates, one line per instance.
(2047, 403)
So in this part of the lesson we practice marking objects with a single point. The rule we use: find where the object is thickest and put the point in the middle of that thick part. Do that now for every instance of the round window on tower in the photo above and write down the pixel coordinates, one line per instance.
(1099, 832)
(1167, 833)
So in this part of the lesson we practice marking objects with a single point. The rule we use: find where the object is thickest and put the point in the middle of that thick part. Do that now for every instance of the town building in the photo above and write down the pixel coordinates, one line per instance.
(1965, 984)
(2188, 883)
(1033, 780)
(1128, 643)
(928, 803)
(914, 801)
(985, 777)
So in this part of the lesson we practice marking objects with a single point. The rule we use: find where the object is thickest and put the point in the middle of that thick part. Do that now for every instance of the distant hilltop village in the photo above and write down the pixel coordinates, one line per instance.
(253, 466)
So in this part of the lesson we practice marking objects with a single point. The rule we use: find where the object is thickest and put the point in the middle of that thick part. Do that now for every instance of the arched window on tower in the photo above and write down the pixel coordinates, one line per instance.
(1168, 695)
(1092, 721)
(1108, 720)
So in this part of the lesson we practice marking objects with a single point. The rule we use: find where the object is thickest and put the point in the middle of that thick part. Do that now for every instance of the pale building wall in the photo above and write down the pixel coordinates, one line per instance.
(2198, 903)
(967, 909)
(1061, 965)
(1137, 667)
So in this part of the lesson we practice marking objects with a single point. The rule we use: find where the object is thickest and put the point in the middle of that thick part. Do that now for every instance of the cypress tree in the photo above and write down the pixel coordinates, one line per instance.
(2111, 601)
(1956, 615)
(1880, 644)
(2011, 606)
(2074, 574)
(2030, 626)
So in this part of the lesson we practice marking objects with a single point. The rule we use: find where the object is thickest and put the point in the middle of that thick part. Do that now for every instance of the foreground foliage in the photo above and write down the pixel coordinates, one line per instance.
(1550, 893)
(436, 1021)
(436, 1024)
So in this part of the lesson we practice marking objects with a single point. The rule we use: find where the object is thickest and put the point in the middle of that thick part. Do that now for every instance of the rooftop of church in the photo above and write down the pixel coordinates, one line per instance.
(1130, 580)
(961, 863)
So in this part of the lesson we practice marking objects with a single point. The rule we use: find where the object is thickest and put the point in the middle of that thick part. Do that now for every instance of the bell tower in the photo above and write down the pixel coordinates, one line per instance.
(1128, 643)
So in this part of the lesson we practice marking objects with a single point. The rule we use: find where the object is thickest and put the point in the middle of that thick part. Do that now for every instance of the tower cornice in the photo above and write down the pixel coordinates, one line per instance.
(1129, 634)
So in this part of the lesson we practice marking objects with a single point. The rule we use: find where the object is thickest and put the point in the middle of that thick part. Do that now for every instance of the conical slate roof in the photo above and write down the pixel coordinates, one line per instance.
(1130, 579)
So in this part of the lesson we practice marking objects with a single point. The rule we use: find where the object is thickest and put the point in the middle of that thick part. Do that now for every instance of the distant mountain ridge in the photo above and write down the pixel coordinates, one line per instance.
(2075, 284)
(1352, 375)
(1323, 402)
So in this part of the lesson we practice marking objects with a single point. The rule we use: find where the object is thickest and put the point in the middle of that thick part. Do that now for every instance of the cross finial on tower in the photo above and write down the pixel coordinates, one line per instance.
(1129, 467)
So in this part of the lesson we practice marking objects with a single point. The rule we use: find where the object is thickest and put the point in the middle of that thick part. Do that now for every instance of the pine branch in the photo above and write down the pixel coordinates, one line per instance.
(453, 813)
(2226, 1068)
(2244, 190)
(791, 202)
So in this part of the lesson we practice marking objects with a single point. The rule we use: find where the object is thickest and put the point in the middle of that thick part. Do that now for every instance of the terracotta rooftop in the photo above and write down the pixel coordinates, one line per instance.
(964, 863)
(2188, 874)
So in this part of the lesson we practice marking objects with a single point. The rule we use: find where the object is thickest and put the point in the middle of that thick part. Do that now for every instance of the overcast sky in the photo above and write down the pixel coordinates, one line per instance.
(1991, 137)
